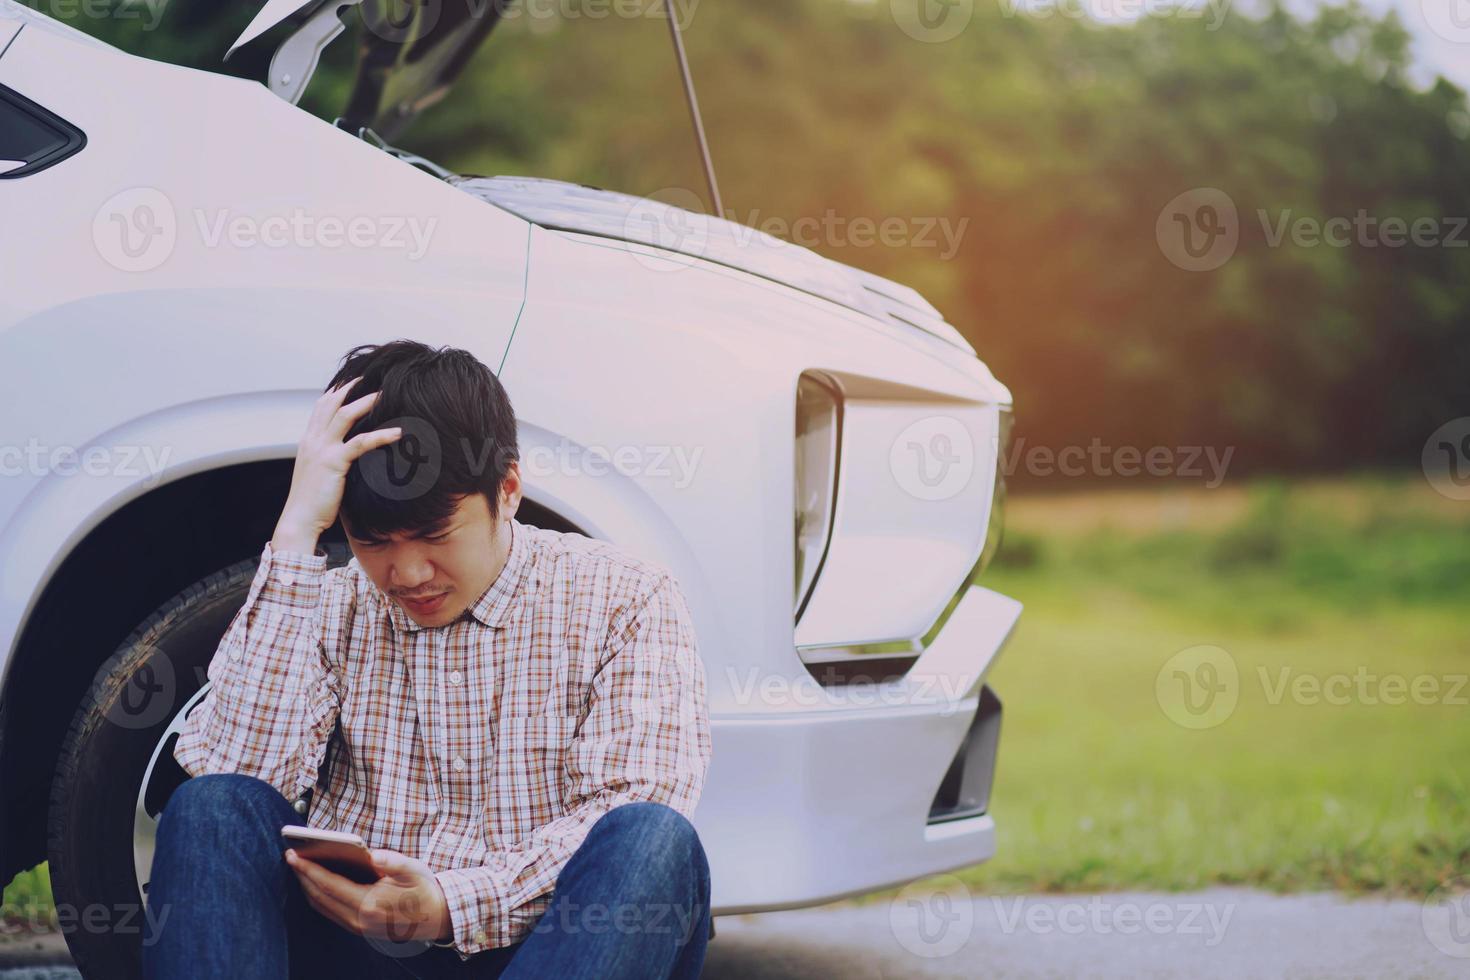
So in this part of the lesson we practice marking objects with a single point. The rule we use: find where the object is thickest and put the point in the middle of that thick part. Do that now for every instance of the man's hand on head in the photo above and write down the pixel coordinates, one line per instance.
(322, 460)
(406, 903)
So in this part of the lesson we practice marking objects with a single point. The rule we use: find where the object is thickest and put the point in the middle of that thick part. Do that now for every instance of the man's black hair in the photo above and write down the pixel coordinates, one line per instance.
(459, 436)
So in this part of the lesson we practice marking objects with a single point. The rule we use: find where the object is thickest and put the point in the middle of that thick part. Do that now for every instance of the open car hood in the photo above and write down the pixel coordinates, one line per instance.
(408, 55)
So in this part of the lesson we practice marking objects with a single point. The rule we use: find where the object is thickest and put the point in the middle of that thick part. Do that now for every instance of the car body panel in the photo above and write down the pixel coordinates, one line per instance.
(640, 333)
(816, 804)
(563, 206)
(9, 28)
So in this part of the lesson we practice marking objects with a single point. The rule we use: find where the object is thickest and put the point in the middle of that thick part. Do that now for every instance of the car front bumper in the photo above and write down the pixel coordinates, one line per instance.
(807, 806)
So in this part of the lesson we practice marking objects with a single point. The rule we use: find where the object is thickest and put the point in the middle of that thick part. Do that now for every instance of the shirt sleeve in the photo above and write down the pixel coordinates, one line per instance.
(274, 691)
(645, 737)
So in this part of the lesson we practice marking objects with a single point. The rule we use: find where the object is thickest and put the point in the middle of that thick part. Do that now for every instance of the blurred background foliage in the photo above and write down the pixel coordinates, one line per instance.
(1056, 141)
(1357, 583)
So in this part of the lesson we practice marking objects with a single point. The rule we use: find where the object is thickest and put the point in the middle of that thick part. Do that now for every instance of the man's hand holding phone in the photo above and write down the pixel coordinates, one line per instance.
(322, 461)
(405, 903)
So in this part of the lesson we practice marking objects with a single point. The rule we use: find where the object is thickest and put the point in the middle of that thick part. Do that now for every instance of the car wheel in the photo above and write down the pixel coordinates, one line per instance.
(116, 771)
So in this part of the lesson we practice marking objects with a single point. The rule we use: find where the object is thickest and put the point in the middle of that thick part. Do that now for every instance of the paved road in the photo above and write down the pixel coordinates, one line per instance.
(938, 931)
(927, 932)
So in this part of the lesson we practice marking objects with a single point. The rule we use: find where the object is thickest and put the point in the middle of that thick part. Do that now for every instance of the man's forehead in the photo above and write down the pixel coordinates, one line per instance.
(464, 511)
(427, 530)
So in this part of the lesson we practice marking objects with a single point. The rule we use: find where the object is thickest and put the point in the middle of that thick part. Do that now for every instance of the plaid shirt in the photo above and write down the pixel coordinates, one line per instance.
(486, 747)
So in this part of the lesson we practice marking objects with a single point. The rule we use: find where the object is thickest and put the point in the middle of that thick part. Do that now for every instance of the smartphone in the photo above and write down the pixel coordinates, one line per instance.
(344, 854)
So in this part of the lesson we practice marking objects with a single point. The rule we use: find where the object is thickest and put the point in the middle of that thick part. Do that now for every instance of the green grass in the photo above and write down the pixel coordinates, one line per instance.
(28, 902)
(1097, 788)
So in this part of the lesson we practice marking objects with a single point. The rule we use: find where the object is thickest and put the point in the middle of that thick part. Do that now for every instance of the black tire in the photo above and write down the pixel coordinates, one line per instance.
(94, 792)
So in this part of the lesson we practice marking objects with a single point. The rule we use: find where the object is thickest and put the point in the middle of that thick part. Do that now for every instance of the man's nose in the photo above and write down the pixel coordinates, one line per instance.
(411, 574)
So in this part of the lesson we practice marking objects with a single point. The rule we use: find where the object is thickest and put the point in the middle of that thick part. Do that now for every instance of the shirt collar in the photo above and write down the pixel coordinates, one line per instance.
(495, 604)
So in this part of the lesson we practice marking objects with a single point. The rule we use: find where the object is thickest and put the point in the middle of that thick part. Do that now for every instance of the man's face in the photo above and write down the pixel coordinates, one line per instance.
(450, 565)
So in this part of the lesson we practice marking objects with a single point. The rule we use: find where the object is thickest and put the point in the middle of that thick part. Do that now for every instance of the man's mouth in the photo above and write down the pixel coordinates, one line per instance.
(424, 605)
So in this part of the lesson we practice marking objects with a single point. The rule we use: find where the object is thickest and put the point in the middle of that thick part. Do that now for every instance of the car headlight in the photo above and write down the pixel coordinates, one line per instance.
(818, 438)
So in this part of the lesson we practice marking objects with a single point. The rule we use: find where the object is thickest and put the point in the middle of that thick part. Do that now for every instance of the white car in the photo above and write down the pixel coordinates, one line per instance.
(812, 450)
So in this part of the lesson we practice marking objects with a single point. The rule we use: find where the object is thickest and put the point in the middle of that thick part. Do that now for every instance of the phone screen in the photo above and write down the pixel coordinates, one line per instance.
(348, 860)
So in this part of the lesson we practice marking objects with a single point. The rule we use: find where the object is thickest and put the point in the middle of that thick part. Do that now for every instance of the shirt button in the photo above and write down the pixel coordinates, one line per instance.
(480, 937)
(299, 806)
(459, 763)
(234, 653)
(455, 677)
(449, 837)
(288, 579)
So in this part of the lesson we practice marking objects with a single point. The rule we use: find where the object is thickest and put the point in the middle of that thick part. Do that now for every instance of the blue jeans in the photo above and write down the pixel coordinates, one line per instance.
(234, 908)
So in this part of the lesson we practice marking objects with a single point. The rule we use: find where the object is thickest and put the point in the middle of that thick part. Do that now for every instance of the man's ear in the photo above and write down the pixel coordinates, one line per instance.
(510, 490)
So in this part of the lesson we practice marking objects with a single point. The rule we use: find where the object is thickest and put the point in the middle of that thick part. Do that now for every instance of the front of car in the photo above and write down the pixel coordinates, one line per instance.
(833, 488)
